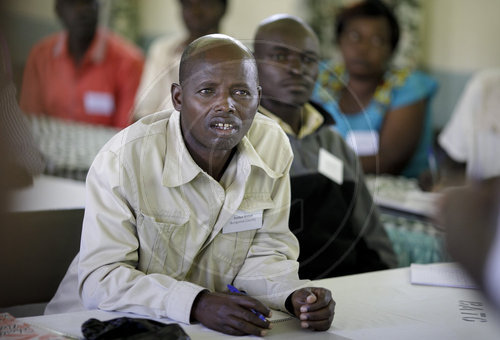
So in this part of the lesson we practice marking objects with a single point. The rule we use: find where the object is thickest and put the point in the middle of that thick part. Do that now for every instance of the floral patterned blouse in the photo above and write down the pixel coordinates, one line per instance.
(401, 87)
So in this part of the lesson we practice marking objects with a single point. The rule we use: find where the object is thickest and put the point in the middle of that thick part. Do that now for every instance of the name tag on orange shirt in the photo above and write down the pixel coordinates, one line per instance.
(99, 103)
(242, 221)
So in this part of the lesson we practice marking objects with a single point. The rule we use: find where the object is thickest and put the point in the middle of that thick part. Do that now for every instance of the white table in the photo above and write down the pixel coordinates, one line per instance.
(379, 305)
(48, 193)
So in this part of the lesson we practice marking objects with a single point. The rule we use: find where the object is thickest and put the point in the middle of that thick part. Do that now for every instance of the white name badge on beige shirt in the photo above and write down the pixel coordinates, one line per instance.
(242, 221)
(330, 166)
(99, 103)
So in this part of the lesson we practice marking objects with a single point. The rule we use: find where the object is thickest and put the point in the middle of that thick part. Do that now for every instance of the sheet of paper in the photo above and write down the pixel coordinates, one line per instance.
(278, 316)
(12, 328)
(441, 274)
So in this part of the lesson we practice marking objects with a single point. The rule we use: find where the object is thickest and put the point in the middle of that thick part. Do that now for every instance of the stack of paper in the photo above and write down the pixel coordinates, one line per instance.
(441, 274)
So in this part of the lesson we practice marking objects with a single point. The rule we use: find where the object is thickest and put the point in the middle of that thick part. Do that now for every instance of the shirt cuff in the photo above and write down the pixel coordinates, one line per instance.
(180, 300)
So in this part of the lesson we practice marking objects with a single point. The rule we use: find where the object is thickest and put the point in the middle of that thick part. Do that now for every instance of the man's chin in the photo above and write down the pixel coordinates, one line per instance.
(225, 144)
(299, 98)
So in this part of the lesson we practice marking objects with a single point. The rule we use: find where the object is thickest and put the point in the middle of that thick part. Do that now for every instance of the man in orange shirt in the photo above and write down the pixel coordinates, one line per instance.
(84, 74)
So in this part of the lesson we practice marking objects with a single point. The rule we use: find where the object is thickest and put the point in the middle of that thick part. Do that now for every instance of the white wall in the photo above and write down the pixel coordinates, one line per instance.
(461, 35)
(157, 17)
(39, 9)
(459, 38)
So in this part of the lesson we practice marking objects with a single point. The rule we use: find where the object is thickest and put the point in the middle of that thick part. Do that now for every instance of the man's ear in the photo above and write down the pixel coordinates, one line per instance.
(259, 91)
(176, 93)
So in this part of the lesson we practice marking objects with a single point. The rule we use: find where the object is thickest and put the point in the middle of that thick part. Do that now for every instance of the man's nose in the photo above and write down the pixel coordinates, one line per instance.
(295, 64)
(224, 103)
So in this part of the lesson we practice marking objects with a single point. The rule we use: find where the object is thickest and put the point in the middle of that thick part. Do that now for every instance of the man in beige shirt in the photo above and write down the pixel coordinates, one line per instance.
(185, 202)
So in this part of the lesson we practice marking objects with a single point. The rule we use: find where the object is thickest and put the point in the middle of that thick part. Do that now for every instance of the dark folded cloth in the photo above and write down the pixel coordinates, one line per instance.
(132, 328)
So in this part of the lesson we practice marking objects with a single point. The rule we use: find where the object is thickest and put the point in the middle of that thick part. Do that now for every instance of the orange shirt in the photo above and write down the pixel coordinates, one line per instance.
(99, 91)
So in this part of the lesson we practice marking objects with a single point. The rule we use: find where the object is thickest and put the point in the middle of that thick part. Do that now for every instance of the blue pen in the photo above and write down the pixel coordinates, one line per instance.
(233, 289)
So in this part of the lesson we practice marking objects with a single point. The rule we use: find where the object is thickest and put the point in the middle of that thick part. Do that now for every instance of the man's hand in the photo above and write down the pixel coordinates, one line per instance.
(314, 307)
(230, 313)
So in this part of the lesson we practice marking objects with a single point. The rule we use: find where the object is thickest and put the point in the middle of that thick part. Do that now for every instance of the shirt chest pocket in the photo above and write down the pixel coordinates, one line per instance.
(233, 248)
(162, 243)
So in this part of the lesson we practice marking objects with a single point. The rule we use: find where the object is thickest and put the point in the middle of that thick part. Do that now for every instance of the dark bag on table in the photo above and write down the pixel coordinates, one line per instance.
(132, 328)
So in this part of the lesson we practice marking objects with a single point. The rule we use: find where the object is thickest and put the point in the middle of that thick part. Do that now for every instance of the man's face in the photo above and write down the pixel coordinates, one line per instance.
(288, 66)
(79, 16)
(217, 102)
(365, 46)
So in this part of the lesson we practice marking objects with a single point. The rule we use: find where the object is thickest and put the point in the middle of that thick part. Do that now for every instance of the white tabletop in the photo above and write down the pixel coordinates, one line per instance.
(386, 305)
(48, 193)
(378, 305)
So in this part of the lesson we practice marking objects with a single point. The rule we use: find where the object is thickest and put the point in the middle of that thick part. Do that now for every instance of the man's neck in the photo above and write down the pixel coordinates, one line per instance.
(78, 46)
(216, 164)
(290, 114)
(362, 86)
(195, 35)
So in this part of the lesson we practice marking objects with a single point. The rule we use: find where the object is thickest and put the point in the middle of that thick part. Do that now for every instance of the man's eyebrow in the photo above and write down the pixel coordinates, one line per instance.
(281, 48)
(245, 85)
(284, 48)
(206, 83)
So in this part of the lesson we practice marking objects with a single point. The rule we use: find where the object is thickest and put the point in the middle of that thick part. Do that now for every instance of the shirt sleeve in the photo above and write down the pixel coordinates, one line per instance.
(417, 86)
(107, 274)
(159, 73)
(456, 137)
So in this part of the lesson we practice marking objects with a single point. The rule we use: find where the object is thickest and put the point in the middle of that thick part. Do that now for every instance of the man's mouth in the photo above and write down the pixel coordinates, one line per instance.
(297, 85)
(223, 126)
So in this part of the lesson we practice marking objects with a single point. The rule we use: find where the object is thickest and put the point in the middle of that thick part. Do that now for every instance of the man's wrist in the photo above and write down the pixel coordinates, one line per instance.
(195, 304)
(289, 304)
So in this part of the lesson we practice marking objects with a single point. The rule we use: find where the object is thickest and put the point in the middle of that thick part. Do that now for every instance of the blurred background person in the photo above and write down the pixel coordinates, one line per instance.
(83, 74)
(470, 216)
(471, 138)
(381, 111)
(200, 17)
(336, 222)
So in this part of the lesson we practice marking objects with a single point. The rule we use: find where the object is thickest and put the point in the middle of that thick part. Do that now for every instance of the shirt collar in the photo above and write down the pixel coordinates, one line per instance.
(95, 53)
(311, 121)
(180, 168)
(246, 149)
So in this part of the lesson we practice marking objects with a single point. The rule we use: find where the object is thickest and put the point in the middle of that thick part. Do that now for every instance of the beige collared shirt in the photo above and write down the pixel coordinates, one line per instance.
(152, 233)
